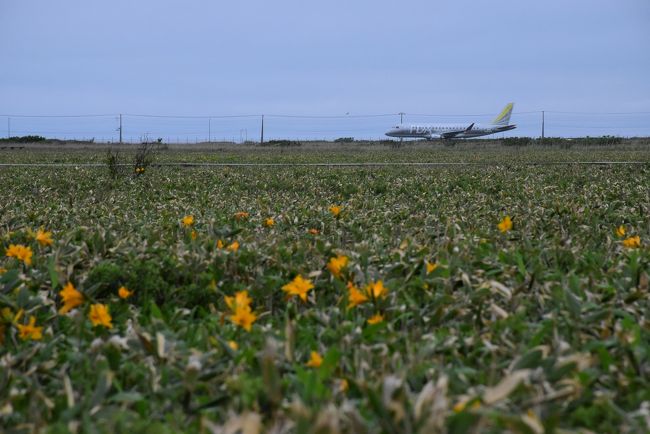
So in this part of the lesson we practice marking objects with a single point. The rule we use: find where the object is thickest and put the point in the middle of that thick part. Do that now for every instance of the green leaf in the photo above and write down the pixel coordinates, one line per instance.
(126, 397)
(54, 275)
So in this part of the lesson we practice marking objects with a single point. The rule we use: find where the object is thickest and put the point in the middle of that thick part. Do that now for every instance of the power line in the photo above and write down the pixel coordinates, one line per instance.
(190, 116)
(60, 116)
(35, 131)
(604, 127)
(468, 115)
(598, 113)
(371, 115)
(333, 116)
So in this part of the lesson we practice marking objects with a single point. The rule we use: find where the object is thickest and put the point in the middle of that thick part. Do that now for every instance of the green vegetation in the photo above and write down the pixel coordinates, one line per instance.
(476, 326)
(518, 141)
(282, 143)
(40, 139)
(562, 142)
(23, 139)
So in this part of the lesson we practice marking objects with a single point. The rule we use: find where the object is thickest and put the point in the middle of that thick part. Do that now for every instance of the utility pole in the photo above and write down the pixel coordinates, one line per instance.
(401, 121)
(120, 128)
(8, 127)
(542, 125)
(209, 130)
(262, 135)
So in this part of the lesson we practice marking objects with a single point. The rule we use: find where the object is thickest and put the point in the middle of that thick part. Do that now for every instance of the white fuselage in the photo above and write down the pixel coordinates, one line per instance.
(446, 131)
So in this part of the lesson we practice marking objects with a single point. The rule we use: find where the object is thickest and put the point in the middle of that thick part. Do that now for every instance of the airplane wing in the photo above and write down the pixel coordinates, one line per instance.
(452, 134)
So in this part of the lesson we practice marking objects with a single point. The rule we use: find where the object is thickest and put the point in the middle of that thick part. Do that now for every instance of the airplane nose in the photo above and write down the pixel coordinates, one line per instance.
(391, 133)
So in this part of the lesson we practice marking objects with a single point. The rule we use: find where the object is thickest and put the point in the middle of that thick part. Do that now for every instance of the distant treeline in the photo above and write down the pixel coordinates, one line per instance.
(560, 141)
(281, 143)
(39, 139)
(24, 139)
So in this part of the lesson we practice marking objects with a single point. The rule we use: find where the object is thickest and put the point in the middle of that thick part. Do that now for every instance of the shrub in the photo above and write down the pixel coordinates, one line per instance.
(113, 163)
(143, 157)
(581, 141)
(23, 139)
(517, 141)
(106, 277)
(282, 143)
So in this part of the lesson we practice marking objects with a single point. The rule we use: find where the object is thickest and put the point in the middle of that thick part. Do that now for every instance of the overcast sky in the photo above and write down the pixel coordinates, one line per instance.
(330, 57)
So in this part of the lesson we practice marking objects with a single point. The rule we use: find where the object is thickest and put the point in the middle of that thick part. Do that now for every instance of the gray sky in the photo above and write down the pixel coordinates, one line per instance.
(196, 57)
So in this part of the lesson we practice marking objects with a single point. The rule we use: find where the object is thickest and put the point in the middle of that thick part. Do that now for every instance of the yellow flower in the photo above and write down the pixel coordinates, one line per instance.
(620, 231)
(20, 252)
(376, 290)
(431, 267)
(298, 286)
(233, 247)
(99, 315)
(462, 404)
(30, 331)
(505, 225)
(188, 220)
(269, 222)
(315, 360)
(314, 231)
(240, 300)
(124, 292)
(344, 385)
(375, 319)
(242, 215)
(355, 297)
(220, 244)
(335, 210)
(2, 271)
(44, 238)
(71, 298)
(243, 317)
(335, 265)
(632, 242)
(240, 307)
(233, 345)
(7, 315)
(193, 235)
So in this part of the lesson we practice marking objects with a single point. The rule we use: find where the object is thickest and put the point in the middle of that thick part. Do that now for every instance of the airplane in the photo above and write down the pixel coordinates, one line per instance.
(454, 131)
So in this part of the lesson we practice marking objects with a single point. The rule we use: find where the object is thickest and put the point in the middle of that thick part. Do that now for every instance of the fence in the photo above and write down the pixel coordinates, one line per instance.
(241, 128)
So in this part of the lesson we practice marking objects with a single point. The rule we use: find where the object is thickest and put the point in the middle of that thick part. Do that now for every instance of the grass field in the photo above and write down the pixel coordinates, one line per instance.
(477, 151)
(434, 316)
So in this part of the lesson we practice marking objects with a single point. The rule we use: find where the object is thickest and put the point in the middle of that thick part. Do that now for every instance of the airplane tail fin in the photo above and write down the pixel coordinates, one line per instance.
(504, 116)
